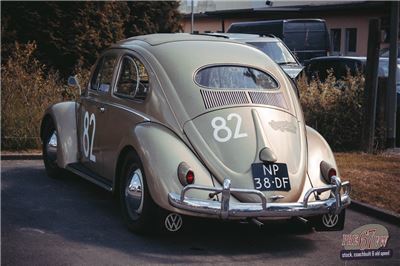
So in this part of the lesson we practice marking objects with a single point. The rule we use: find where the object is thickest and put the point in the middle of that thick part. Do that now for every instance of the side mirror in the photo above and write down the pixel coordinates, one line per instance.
(73, 82)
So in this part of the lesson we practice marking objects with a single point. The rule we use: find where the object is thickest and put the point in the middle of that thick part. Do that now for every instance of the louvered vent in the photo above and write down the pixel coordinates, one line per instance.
(274, 99)
(214, 99)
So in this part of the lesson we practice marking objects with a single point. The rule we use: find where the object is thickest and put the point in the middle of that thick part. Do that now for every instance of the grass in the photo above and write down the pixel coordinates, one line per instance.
(375, 179)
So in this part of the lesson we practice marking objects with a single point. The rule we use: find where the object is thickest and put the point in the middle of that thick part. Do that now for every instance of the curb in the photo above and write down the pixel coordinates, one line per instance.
(382, 214)
(21, 157)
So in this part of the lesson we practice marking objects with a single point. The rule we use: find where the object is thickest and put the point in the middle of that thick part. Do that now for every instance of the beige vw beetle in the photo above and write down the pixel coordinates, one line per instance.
(182, 125)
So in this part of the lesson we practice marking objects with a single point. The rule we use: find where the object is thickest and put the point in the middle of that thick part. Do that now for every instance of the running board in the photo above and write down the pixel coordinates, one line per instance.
(87, 174)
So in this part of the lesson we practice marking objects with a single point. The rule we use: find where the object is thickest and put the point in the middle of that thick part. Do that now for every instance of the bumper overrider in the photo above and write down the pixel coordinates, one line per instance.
(225, 209)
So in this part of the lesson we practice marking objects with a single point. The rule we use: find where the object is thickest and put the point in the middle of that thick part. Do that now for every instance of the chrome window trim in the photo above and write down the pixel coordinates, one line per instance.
(131, 55)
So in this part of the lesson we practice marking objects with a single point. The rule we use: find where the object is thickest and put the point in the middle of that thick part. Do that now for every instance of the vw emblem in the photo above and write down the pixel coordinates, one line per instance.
(173, 222)
(330, 220)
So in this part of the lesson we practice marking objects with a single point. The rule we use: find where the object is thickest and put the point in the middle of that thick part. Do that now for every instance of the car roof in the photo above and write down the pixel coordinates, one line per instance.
(161, 38)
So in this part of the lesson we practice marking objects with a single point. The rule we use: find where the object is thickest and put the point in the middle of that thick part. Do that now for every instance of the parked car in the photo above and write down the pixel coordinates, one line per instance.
(183, 125)
(271, 46)
(340, 65)
(306, 38)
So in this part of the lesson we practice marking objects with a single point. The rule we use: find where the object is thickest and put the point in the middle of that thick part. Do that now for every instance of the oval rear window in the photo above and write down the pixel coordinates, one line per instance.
(235, 78)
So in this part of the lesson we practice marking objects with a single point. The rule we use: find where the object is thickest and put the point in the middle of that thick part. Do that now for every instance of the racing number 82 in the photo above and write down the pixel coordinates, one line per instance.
(86, 140)
(219, 125)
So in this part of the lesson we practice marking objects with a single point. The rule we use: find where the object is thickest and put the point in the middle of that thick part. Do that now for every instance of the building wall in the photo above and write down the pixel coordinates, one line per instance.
(344, 22)
(333, 21)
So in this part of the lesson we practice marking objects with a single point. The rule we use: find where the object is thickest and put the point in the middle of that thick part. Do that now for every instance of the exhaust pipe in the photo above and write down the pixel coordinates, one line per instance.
(257, 222)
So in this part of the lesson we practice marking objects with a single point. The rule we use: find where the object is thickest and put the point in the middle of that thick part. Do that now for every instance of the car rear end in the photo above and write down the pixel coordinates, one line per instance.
(244, 122)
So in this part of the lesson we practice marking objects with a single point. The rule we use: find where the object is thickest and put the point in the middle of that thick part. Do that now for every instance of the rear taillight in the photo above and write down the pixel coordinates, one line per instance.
(332, 172)
(327, 171)
(185, 174)
(190, 177)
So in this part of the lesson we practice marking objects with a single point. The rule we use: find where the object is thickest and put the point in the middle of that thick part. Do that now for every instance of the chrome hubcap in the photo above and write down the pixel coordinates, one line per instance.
(134, 194)
(51, 148)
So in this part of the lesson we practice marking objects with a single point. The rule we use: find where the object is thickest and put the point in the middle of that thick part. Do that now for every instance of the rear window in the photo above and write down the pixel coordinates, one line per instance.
(235, 78)
(306, 35)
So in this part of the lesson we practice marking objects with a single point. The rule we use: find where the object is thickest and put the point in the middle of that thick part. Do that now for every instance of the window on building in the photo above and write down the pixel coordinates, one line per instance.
(351, 39)
(336, 37)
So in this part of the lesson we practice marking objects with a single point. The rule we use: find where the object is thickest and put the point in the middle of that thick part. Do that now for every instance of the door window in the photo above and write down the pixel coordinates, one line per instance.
(102, 77)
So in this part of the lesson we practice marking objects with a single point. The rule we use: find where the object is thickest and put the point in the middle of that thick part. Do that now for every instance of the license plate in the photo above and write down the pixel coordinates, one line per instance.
(270, 176)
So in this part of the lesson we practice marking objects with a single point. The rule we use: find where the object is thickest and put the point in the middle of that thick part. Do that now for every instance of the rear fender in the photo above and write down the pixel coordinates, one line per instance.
(318, 150)
(64, 117)
(161, 152)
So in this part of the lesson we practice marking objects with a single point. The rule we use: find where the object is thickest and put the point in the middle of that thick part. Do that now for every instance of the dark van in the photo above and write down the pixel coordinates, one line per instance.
(306, 38)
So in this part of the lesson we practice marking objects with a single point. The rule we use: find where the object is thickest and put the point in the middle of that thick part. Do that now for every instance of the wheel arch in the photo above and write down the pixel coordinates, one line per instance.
(63, 116)
(118, 168)
(318, 150)
(160, 152)
(46, 118)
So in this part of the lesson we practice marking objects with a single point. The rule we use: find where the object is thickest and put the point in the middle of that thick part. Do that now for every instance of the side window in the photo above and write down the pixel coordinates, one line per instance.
(133, 80)
(102, 77)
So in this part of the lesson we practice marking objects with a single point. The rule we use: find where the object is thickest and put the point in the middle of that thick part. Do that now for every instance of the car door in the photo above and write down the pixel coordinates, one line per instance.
(92, 120)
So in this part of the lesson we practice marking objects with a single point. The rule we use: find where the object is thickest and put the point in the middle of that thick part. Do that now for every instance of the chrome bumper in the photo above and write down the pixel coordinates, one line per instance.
(225, 210)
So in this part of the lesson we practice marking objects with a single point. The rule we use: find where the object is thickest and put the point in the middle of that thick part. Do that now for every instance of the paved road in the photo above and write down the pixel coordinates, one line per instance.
(72, 222)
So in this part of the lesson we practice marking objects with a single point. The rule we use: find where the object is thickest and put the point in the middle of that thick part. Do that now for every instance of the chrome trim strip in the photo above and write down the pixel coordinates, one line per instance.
(225, 210)
(121, 107)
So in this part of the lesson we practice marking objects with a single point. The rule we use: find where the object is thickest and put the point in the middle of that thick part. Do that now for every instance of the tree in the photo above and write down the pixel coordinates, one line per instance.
(70, 34)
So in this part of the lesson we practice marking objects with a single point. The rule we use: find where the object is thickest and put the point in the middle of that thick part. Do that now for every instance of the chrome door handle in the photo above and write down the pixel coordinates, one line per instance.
(101, 109)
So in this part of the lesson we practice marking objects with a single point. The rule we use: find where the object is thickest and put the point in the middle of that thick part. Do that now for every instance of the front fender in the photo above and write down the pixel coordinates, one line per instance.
(161, 151)
(64, 117)
(318, 150)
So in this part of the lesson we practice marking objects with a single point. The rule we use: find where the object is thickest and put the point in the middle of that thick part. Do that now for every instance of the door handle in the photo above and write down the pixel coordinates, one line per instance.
(101, 109)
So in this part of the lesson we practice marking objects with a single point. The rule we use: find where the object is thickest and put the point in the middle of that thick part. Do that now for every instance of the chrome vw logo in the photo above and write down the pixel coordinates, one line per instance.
(173, 222)
(330, 220)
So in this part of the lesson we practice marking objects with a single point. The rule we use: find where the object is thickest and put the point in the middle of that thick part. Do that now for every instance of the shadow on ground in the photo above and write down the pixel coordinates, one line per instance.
(79, 211)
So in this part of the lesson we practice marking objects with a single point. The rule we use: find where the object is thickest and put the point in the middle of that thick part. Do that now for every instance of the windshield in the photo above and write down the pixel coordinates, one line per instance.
(276, 50)
(234, 78)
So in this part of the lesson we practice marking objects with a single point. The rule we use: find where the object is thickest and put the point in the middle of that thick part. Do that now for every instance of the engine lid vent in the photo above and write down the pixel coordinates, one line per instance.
(214, 99)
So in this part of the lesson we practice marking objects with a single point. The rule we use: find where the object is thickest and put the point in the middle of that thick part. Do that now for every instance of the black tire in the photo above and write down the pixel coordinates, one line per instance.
(140, 215)
(49, 151)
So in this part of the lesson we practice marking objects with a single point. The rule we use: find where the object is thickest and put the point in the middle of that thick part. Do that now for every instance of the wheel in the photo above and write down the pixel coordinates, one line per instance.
(138, 209)
(141, 214)
(49, 150)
